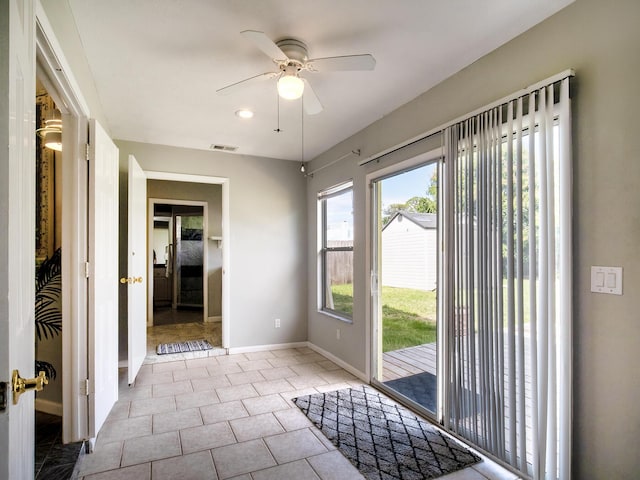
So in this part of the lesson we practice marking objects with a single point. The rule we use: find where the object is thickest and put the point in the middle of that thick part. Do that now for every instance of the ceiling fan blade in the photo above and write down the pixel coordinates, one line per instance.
(347, 62)
(310, 101)
(265, 44)
(247, 81)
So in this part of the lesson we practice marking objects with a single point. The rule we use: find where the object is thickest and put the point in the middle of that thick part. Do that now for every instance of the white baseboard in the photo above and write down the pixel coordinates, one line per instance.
(354, 371)
(261, 348)
(47, 406)
(214, 319)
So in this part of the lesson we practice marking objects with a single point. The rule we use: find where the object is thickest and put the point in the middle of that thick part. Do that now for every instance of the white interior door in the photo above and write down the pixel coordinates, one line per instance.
(103, 276)
(137, 266)
(17, 234)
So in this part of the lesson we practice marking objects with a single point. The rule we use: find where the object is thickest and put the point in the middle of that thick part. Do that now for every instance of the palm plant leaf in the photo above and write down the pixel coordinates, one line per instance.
(48, 269)
(48, 314)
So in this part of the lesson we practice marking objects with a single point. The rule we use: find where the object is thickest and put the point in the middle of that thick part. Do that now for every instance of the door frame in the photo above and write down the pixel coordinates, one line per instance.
(152, 202)
(55, 73)
(226, 240)
(372, 246)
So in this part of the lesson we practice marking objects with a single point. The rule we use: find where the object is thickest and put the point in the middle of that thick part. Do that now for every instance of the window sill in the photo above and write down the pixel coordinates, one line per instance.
(336, 316)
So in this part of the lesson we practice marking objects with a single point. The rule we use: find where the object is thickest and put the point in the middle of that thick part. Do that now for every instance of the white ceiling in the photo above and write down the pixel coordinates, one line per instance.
(158, 63)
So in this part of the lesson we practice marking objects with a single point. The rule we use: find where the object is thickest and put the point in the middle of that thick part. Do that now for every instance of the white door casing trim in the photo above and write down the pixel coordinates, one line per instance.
(54, 71)
(51, 58)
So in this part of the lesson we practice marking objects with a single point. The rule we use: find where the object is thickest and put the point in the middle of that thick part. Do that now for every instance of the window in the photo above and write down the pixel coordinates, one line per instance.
(335, 206)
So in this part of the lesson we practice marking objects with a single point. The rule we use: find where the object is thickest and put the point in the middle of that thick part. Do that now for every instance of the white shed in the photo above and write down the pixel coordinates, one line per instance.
(409, 251)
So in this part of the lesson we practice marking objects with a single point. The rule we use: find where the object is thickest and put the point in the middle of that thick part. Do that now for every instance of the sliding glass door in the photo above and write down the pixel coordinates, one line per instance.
(501, 206)
(405, 265)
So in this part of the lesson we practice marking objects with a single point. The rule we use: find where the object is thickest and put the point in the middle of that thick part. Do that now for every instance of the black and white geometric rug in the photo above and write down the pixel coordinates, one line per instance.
(381, 438)
(179, 347)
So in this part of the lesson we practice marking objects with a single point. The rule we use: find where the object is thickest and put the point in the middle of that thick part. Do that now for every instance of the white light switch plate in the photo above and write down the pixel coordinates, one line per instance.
(606, 280)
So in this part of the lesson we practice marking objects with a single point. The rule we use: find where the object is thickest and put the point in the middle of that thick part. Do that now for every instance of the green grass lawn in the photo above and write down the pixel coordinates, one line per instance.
(408, 316)
(343, 298)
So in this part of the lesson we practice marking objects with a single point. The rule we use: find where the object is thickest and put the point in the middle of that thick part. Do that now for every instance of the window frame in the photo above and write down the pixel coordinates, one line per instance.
(323, 249)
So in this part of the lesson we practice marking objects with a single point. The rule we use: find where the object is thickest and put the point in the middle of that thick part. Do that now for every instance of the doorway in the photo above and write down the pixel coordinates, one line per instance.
(50, 247)
(218, 239)
(178, 263)
(406, 264)
(186, 258)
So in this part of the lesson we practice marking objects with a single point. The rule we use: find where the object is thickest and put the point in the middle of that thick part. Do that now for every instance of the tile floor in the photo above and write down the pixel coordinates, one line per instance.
(228, 417)
(52, 458)
(169, 316)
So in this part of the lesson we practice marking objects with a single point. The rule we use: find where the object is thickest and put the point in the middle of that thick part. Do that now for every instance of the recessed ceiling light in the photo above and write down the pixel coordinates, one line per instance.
(244, 113)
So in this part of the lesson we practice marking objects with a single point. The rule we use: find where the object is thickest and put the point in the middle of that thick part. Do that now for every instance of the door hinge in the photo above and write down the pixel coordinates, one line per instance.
(86, 269)
(84, 387)
(86, 152)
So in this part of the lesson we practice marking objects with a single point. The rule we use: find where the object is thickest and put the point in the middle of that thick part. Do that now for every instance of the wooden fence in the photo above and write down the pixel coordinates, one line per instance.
(340, 264)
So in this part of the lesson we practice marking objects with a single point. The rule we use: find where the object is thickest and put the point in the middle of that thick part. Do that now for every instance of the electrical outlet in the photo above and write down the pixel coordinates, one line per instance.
(338, 334)
(277, 323)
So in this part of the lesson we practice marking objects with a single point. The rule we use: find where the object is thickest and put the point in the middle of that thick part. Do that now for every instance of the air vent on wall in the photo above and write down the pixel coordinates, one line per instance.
(223, 148)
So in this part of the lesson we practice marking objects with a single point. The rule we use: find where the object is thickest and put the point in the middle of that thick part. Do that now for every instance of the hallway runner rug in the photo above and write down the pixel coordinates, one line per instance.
(179, 347)
(381, 438)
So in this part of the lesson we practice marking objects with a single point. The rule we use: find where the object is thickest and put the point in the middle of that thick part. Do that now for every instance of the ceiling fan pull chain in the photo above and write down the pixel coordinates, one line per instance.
(277, 130)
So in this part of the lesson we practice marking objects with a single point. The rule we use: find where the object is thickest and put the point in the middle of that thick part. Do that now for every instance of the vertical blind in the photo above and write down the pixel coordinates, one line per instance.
(507, 276)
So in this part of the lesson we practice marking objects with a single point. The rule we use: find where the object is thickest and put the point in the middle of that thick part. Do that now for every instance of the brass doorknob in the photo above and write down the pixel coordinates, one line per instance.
(20, 385)
(131, 280)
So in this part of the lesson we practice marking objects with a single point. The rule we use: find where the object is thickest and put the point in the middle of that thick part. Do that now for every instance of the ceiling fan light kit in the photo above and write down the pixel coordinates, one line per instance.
(290, 87)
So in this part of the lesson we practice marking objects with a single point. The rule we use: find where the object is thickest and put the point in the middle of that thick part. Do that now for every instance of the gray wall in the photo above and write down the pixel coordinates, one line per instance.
(268, 271)
(601, 41)
(212, 194)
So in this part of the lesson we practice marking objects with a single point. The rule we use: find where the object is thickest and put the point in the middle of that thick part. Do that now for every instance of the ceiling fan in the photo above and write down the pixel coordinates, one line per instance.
(291, 57)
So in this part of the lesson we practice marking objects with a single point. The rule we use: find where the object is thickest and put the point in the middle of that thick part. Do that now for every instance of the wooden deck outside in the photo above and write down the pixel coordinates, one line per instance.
(409, 361)
(422, 358)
